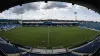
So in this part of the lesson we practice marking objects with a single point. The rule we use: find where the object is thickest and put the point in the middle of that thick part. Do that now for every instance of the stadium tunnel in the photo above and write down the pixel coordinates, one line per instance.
(90, 4)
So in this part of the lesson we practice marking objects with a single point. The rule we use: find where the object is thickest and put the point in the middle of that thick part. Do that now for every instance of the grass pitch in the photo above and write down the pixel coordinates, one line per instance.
(49, 36)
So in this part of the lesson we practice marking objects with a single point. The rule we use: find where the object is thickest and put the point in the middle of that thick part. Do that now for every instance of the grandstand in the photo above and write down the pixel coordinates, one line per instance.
(11, 48)
(8, 24)
(49, 23)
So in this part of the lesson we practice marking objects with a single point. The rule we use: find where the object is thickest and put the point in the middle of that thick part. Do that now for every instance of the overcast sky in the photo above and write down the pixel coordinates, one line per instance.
(50, 10)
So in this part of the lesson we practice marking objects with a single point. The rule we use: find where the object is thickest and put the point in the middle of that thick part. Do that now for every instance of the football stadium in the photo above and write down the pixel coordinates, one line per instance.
(49, 29)
(49, 36)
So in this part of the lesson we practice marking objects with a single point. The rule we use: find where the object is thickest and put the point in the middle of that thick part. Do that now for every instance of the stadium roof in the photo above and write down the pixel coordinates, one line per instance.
(3, 19)
(51, 22)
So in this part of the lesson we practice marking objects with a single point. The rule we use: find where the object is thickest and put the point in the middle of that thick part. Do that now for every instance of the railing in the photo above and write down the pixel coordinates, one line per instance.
(2, 53)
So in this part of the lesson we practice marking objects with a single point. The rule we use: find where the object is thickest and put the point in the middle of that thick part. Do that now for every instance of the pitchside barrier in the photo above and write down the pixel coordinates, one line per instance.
(39, 47)
(58, 47)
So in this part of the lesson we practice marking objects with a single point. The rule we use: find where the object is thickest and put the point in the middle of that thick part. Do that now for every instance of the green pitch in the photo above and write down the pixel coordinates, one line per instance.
(49, 36)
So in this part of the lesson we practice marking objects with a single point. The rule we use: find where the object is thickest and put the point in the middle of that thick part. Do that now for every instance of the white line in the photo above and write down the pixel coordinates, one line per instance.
(48, 35)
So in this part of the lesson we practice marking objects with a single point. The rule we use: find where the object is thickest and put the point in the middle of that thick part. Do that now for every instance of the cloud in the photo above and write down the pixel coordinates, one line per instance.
(31, 6)
(25, 7)
(18, 10)
(36, 6)
(51, 5)
(42, 10)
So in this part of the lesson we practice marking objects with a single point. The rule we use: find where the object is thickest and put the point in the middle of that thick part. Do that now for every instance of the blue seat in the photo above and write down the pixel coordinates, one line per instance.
(63, 54)
(9, 49)
(89, 48)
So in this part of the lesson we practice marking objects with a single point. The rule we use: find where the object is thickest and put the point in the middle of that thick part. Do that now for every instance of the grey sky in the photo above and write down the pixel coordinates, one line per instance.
(50, 10)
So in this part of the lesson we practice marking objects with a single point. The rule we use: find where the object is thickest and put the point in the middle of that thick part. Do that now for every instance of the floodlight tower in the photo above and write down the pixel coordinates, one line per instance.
(75, 15)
